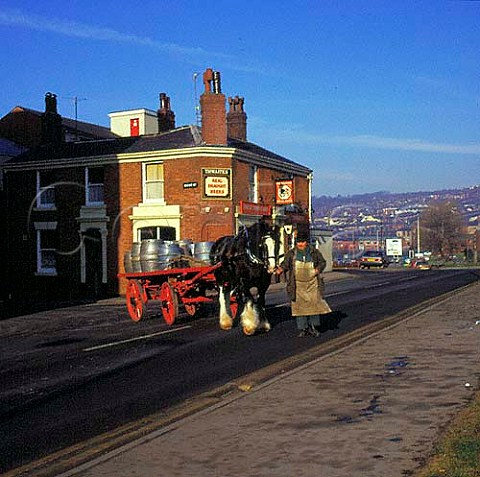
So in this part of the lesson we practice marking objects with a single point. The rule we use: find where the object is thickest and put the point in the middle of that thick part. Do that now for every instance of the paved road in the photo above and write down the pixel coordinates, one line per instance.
(373, 409)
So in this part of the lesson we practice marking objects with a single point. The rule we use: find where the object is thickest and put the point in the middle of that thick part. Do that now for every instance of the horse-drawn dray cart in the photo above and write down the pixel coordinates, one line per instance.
(233, 267)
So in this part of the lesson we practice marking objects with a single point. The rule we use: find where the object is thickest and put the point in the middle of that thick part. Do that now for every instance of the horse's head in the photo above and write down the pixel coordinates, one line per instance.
(262, 242)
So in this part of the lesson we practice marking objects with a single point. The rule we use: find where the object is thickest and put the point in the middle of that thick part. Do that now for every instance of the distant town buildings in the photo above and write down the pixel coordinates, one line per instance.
(363, 222)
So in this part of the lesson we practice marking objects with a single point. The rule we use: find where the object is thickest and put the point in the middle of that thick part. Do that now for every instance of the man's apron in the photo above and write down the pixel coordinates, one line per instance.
(308, 299)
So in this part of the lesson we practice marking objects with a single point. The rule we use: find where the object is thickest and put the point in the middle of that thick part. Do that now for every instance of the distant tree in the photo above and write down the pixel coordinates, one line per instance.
(441, 228)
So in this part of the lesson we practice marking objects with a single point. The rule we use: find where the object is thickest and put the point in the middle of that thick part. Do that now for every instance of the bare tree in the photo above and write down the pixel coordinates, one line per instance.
(441, 228)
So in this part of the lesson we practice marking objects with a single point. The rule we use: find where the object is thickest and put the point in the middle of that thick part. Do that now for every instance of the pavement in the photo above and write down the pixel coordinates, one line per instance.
(372, 409)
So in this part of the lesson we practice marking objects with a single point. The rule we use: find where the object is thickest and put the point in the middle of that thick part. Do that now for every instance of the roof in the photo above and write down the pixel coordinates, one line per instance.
(90, 129)
(10, 148)
(260, 151)
(179, 138)
(175, 139)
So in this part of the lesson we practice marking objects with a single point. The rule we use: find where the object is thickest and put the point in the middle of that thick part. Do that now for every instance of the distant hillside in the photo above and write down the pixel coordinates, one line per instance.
(469, 198)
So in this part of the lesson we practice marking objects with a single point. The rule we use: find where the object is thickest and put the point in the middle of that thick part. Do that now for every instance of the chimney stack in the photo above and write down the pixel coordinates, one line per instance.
(52, 131)
(236, 119)
(166, 117)
(212, 103)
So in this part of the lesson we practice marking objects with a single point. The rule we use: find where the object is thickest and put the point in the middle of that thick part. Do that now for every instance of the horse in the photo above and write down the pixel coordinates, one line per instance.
(247, 261)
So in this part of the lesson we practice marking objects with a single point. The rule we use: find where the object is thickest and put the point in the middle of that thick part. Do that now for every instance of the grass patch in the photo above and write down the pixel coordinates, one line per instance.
(458, 452)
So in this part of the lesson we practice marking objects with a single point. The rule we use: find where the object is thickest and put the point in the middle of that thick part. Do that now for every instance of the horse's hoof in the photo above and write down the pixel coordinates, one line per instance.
(226, 323)
(267, 327)
(248, 331)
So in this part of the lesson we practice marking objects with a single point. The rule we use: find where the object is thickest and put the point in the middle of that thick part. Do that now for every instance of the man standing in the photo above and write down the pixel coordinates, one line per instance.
(303, 265)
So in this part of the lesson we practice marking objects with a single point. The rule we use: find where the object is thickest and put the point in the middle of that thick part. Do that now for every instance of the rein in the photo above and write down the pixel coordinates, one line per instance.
(251, 256)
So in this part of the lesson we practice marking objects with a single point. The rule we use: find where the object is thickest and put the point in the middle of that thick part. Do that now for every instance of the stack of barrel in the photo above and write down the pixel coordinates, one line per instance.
(152, 255)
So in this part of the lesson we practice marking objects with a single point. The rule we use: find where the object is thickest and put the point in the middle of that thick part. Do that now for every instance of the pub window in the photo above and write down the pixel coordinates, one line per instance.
(153, 184)
(157, 233)
(253, 184)
(46, 251)
(45, 190)
(94, 180)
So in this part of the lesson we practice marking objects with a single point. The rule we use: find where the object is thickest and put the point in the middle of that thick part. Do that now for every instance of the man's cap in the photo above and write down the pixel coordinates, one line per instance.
(303, 233)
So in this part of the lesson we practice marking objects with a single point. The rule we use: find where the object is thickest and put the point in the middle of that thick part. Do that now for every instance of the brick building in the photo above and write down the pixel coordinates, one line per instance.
(75, 208)
(27, 127)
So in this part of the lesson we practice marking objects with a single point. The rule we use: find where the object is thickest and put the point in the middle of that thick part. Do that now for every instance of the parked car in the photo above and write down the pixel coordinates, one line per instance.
(372, 258)
(345, 263)
(421, 264)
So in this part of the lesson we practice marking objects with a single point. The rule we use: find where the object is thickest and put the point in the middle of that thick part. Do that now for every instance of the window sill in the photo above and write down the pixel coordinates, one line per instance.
(46, 274)
(45, 209)
(155, 202)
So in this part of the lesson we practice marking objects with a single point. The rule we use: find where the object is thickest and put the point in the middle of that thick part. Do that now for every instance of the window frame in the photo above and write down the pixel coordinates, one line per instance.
(158, 232)
(145, 183)
(253, 183)
(44, 192)
(43, 227)
(89, 184)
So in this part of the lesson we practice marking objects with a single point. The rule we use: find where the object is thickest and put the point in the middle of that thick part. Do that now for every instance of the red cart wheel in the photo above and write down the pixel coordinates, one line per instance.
(169, 299)
(191, 308)
(135, 300)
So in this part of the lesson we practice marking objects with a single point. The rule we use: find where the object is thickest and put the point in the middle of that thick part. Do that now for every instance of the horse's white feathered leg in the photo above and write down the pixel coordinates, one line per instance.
(225, 319)
(249, 318)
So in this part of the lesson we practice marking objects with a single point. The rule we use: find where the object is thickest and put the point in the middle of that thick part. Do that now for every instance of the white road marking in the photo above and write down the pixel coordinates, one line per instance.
(137, 338)
(328, 295)
(376, 285)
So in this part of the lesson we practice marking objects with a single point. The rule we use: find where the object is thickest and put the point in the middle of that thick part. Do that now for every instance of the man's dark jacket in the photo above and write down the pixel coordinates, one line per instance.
(288, 266)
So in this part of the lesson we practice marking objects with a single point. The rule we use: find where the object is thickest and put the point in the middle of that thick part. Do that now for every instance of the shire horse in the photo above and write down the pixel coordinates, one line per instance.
(248, 260)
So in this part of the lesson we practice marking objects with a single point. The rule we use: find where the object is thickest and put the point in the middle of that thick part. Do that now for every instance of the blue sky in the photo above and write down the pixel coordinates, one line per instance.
(372, 95)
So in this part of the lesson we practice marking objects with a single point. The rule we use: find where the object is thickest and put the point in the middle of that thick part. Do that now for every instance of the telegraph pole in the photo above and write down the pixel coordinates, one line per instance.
(197, 107)
(418, 233)
(76, 99)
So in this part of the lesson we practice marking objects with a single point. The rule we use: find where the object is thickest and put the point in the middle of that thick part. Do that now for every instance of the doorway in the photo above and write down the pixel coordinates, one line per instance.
(93, 262)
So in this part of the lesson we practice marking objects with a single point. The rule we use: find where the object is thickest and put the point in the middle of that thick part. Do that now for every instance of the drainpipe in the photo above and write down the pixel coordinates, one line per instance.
(310, 179)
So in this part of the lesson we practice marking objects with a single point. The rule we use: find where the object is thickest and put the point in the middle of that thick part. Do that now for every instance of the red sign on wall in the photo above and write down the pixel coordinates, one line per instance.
(284, 192)
(251, 208)
(134, 127)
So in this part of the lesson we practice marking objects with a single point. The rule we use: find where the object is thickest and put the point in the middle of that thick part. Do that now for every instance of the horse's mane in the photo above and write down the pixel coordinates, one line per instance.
(248, 243)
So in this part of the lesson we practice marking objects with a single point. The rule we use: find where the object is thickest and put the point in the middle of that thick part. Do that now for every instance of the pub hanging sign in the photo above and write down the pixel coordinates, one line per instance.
(217, 183)
(284, 192)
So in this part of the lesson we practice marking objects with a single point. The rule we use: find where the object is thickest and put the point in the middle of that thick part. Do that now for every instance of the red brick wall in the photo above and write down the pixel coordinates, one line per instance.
(241, 187)
(266, 185)
(301, 192)
(128, 195)
(202, 219)
(22, 127)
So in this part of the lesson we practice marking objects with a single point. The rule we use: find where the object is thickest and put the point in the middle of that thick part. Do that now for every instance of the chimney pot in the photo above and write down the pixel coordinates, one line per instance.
(217, 87)
(52, 128)
(236, 119)
(50, 103)
(165, 116)
(207, 80)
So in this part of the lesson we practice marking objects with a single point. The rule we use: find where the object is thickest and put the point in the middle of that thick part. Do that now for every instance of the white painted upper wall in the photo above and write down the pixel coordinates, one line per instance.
(147, 122)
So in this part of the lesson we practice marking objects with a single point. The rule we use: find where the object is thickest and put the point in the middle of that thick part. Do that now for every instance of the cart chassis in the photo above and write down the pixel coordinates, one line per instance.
(171, 287)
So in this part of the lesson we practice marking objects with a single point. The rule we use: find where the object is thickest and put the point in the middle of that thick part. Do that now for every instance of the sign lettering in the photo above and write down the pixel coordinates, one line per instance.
(216, 183)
